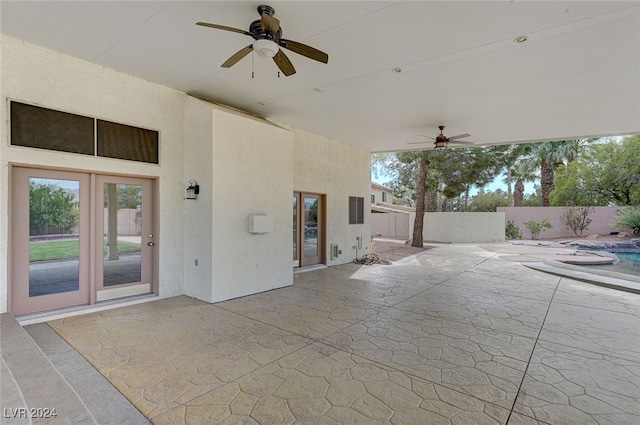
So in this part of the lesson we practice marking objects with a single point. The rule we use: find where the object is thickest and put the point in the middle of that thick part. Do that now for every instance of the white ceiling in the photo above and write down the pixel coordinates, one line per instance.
(578, 75)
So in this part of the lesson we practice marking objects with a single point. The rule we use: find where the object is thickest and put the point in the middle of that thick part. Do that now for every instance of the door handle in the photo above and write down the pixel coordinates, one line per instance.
(151, 243)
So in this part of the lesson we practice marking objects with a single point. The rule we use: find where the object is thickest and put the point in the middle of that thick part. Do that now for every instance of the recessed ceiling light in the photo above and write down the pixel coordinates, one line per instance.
(520, 39)
(396, 70)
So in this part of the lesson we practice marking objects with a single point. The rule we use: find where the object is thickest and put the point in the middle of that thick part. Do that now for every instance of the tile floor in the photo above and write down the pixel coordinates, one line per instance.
(455, 336)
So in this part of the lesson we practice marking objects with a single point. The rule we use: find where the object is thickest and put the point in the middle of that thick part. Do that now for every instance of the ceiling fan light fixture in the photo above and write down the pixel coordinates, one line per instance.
(440, 144)
(265, 48)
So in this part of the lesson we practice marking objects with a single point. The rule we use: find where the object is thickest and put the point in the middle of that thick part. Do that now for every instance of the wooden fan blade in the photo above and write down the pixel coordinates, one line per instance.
(225, 28)
(284, 63)
(237, 56)
(269, 23)
(416, 143)
(459, 136)
(428, 137)
(304, 50)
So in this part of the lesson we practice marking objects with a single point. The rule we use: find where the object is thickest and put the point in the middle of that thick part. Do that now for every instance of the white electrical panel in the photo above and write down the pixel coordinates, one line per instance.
(260, 224)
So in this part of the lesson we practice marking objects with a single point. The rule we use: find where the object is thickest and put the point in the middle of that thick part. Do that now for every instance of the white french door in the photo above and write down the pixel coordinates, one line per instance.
(124, 227)
(308, 229)
(78, 238)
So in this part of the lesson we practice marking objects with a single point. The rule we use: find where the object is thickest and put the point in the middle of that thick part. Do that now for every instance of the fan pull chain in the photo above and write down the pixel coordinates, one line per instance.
(253, 55)
(278, 74)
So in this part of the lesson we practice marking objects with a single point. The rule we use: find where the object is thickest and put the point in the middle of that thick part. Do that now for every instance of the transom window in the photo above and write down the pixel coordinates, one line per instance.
(42, 128)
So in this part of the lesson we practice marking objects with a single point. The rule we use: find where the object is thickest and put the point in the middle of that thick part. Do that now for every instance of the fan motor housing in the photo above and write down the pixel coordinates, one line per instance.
(263, 8)
(256, 30)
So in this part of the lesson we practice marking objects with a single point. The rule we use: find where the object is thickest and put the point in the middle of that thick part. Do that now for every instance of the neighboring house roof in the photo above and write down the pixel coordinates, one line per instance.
(384, 207)
(381, 187)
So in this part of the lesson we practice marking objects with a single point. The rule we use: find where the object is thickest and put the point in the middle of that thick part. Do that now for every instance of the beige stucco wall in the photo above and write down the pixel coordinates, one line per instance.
(38, 76)
(198, 225)
(252, 174)
(244, 166)
(602, 221)
(326, 166)
(457, 227)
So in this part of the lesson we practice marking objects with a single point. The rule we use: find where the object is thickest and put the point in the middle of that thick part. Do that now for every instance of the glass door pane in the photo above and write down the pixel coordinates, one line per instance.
(125, 237)
(296, 257)
(54, 236)
(50, 240)
(310, 204)
(122, 234)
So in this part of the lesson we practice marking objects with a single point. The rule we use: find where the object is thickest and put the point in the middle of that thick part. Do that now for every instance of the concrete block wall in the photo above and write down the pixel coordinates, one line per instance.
(602, 221)
(457, 227)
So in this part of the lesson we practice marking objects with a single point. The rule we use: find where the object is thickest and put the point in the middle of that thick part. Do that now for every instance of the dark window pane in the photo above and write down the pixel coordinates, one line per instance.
(356, 210)
(126, 142)
(352, 209)
(360, 211)
(44, 128)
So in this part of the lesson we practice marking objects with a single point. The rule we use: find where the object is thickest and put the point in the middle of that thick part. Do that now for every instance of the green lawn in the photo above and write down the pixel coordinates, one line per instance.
(59, 250)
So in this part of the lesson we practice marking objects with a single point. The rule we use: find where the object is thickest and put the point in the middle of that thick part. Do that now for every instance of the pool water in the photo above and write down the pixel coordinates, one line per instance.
(629, 264)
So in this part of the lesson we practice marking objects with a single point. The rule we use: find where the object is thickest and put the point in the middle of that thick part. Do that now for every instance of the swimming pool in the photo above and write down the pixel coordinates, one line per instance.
(629, 264)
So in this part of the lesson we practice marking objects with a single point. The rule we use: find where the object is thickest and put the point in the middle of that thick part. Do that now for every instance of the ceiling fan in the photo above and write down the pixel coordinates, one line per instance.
(267, 35)
(442, 141)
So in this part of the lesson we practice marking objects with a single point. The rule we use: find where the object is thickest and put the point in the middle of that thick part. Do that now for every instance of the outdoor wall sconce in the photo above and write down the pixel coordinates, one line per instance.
(193, 190)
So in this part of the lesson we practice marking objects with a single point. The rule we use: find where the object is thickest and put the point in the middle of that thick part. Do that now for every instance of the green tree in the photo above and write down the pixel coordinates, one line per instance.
(128, 196)
(549, 156)
(488, 201)
(535, 227)
(401, 168)
(576, 218)
(461, 169)
(533, 199)
(51, 206)
(607, 174)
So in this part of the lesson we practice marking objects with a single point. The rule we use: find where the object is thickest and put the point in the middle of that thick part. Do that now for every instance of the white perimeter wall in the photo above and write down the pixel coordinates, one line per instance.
(38, 76)
(326, 166)
(391, 225)
(461, 227)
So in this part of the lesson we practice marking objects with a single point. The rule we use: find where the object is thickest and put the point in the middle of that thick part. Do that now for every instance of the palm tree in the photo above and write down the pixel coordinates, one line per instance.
(548, 155)
(570, 149)
(522, 173)
(511, 158)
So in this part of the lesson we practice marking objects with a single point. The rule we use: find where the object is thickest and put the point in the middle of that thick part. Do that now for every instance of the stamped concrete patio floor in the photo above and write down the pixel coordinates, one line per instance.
(454, 336)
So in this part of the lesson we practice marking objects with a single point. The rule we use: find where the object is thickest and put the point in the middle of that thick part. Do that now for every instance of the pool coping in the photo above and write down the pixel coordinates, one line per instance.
(620, 281)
